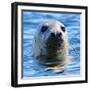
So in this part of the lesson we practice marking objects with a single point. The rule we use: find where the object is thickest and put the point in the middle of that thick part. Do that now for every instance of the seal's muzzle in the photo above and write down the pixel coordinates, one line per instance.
(54, 42)
(50, 44)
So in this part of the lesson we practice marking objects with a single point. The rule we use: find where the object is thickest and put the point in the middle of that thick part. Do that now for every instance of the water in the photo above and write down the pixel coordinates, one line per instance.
(31, 21)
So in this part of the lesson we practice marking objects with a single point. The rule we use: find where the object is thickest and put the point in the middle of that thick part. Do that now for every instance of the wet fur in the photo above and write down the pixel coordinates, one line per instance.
(50, 54)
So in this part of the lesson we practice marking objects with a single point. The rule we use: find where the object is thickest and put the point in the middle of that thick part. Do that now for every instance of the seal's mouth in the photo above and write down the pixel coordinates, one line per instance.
(53, 45)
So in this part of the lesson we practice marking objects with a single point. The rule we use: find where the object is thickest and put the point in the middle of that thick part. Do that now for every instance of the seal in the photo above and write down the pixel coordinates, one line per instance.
(50, 44)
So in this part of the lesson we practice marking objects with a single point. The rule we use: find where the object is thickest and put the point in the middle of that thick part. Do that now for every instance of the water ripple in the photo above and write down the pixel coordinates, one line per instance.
(30, 23)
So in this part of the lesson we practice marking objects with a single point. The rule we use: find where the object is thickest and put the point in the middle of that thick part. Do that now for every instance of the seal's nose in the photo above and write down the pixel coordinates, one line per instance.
(58, 35)
(53, 34)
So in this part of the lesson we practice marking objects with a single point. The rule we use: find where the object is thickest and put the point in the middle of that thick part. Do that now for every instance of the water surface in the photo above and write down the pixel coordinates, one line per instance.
(31, 20)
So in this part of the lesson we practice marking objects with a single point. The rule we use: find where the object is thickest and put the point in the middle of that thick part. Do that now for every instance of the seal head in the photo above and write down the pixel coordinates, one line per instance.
(50, 43)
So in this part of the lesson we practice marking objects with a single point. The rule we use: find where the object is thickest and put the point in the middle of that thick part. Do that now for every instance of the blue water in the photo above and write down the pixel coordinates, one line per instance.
(31, 21)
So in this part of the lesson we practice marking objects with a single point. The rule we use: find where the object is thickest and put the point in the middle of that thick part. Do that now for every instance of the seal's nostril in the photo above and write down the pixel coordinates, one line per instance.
(52, 34)
(58, 35)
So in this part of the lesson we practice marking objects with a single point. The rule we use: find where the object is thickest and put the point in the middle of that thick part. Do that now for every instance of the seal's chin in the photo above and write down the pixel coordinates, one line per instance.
(54, 44)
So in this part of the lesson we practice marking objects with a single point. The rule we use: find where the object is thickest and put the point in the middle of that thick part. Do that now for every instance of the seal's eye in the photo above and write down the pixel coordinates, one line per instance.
(44, 28)
(63, 28)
